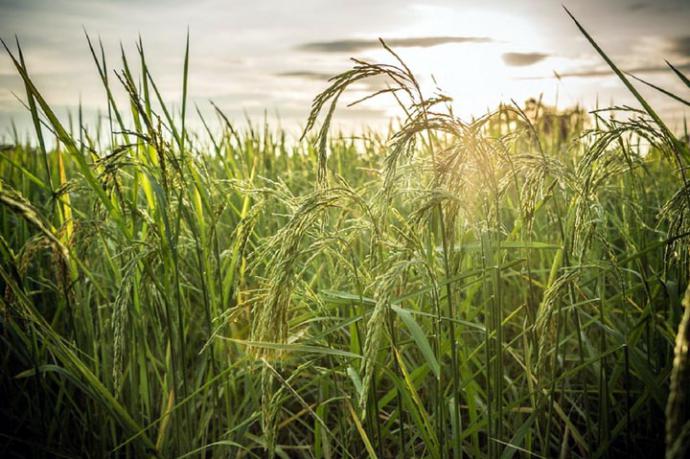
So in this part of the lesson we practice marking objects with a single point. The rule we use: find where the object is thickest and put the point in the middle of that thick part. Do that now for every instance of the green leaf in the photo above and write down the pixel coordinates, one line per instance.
(419, 338)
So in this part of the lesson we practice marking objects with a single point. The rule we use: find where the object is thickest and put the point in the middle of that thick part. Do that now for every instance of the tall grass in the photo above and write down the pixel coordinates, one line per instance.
(505, 287)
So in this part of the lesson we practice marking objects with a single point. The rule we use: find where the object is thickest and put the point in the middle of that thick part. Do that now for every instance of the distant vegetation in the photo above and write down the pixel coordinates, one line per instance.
(507, 287)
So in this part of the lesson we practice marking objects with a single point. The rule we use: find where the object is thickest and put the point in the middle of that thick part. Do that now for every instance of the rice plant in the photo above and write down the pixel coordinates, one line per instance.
(509, 286)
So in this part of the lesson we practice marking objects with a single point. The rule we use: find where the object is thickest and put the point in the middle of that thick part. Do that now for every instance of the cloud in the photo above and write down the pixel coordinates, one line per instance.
(638, 6)
(306, 75)
(657, 6)
(594, 73)
(523, 59)
(372, 83)
(348, 46)
(681, 46)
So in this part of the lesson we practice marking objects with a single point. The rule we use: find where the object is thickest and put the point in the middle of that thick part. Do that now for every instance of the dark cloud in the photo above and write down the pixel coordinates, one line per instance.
(638, 6)
(658, 6)
(593, 73)
(306, 75)
(681, 46)
(348, 46)
(523, 59)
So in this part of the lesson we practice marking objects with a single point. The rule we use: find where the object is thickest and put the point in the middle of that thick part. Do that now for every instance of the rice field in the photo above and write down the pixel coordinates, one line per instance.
(512, 286)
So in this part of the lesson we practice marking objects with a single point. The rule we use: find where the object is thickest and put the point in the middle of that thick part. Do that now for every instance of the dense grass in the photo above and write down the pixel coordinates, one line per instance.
(506, 287)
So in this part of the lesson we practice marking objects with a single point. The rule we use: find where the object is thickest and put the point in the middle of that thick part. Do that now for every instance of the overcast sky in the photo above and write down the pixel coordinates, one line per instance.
(274, 56)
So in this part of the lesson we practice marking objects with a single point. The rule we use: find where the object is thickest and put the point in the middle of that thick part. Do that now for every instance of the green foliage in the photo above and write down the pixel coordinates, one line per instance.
(505, 287)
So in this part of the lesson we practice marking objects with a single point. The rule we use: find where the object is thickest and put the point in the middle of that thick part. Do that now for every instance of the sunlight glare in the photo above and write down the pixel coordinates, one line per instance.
(475, 76)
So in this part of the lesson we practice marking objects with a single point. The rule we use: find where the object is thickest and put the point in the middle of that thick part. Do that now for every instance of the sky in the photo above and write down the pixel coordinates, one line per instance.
(270, 58)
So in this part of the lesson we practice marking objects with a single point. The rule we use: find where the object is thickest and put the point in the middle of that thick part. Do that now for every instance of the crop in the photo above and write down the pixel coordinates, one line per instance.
(506, 287)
